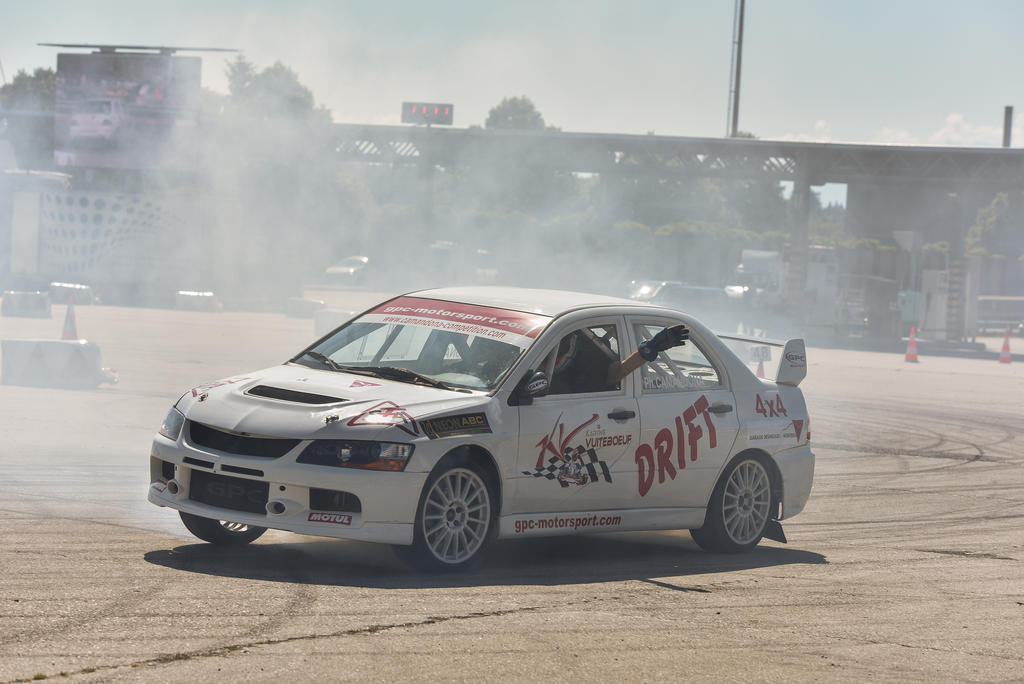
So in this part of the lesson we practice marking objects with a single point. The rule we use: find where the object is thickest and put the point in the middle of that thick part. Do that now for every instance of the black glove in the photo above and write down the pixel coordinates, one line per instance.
(667, 338)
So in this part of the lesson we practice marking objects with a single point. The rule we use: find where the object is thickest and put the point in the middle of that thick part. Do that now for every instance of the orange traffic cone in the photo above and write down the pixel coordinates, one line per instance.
(1004, 355)
(70, 327)
(760, 369)
(911, 354)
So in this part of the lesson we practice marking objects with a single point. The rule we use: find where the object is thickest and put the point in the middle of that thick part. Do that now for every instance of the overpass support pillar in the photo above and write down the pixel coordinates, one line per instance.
(425, 200)
(795, 288)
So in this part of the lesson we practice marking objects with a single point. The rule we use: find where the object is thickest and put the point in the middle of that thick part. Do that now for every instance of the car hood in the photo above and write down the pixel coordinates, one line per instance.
(308, 403)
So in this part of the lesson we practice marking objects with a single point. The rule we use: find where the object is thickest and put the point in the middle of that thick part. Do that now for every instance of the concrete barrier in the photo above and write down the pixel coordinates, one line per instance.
(80, 294)
(27, 304)
(189, 300)
(326, 320)
(297, 307)
(72, 364)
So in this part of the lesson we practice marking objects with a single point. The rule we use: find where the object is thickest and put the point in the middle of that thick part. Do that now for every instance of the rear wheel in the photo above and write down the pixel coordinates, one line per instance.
(454, 520)
(221, 532)
(740, 508)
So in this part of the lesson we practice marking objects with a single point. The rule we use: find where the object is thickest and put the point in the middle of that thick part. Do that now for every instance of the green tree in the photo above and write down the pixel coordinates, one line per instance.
(996, 229)
(515, 113)
(517, 179)
(240, 73)
(827, 226)
(35, 92)
(271, 94)
(272, 148)
(29, 102)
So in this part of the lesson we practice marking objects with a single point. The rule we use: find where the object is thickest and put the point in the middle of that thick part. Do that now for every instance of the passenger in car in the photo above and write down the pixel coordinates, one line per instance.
(587, 363)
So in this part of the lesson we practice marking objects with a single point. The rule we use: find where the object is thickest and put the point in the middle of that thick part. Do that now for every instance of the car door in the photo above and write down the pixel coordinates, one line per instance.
(576, 444)
(688, 420)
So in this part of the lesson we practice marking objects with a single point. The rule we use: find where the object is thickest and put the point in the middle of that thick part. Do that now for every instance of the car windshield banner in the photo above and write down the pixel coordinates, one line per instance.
(512, 327)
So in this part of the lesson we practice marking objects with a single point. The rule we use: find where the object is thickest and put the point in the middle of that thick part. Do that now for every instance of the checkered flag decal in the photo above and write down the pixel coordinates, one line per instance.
(557, 466)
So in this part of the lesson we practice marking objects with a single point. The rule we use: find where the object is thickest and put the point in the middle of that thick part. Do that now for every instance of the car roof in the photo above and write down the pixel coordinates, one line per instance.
(547, 302)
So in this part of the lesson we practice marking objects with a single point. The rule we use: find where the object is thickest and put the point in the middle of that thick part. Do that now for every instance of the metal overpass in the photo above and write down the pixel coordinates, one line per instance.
(934, 191)
(668, 156)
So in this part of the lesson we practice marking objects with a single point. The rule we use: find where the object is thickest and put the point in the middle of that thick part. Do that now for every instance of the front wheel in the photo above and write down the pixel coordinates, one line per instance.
(454, 520)
(221, 532)
(740, 508)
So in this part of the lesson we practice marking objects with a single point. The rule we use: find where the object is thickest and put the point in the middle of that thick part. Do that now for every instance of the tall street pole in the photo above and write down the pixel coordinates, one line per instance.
(737, 66)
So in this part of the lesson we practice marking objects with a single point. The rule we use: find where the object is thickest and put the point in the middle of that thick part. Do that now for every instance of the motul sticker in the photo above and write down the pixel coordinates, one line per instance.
(336, 518)
(363, 384)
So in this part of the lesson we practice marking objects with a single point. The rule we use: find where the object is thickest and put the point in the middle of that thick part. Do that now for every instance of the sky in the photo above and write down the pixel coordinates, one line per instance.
(912, 72)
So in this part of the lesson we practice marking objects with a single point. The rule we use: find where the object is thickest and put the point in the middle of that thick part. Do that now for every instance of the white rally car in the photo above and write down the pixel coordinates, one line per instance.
(439, 420)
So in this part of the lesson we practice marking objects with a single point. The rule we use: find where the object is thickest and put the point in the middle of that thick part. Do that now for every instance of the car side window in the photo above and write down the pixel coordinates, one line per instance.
(677, 369)
(580, 362)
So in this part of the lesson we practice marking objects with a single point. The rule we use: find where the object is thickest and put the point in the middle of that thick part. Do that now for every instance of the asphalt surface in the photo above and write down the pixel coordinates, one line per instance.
(907, 564)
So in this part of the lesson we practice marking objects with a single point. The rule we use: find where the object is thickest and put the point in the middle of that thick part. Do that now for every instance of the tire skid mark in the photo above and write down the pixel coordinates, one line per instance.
(300, 596)
(888, 451)
(867, 491)
(41, 515)
(144, 592)
(928, 518)
(966, 554)
(925, 647)
(973, 444)
(674, 587)
(990, 467)
(973, 423)
(123, 605)
(234, 648)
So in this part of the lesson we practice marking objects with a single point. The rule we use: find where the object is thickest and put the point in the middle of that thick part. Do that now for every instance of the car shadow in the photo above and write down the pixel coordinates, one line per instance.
(545, 561)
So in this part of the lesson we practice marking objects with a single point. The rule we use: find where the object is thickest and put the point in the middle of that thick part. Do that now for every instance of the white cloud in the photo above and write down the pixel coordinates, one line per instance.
(956, 130)
(895, 136)
(822, 132)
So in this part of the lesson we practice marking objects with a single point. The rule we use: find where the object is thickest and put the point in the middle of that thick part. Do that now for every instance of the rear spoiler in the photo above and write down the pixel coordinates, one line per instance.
(792, 365)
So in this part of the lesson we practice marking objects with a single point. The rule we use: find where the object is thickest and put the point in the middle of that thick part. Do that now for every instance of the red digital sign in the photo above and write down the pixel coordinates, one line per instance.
(427, 113)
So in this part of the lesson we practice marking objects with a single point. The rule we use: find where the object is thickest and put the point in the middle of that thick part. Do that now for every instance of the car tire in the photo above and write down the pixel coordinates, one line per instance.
(740, 507)
(221, 532)
(455, 519)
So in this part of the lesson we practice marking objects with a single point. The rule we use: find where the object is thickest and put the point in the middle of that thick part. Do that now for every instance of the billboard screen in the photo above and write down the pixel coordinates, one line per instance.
(126, 110)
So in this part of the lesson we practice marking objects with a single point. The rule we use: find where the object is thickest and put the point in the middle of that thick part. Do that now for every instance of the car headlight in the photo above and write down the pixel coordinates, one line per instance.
(350, 453)
(173, 422)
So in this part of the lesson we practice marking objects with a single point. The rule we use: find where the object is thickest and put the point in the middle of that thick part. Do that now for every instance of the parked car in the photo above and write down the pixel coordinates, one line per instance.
(440, 420)
(1000, 314)
(96, 121)
(349, 271)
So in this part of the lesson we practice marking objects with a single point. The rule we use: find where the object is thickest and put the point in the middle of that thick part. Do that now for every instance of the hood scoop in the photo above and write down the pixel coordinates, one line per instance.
(295, 396)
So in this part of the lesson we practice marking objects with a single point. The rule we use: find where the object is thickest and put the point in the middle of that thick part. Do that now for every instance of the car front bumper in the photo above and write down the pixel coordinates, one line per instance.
(387, 500)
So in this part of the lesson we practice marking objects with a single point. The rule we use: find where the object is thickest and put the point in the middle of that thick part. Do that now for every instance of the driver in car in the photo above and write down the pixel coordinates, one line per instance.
(586, 362)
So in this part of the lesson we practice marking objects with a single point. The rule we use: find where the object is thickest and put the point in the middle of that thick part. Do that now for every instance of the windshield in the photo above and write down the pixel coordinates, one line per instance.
(461, 345)
(92, 107)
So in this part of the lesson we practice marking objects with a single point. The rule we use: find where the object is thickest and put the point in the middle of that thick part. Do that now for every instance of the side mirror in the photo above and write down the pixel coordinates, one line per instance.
(533, 384)
(536, 384)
